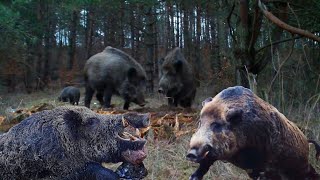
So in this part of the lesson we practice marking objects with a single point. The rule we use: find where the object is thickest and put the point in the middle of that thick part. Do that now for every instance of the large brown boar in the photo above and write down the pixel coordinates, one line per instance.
(239, 127)
(177, 80)
(112, 71)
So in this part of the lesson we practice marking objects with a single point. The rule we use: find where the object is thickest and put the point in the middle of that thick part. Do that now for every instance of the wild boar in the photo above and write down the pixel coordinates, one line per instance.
(71, 94)
(238, 127)
(112, 71)
(177, 79)
(70, 142)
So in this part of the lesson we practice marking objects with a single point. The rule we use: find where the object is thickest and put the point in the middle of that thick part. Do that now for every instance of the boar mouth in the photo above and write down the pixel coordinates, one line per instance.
(198, 154)
(128, 136)
(142, 104)
(132, 142)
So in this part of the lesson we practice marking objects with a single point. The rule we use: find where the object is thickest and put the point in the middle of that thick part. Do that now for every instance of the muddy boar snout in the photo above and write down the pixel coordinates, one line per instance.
(196, 154)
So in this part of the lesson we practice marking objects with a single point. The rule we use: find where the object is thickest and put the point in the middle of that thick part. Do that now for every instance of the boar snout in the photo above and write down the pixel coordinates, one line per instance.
(198, 154)
(142, 103)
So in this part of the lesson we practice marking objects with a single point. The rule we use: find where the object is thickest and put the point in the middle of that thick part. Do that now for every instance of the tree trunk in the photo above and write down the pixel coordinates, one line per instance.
(178, 27)
(105, 31)
(89, 32)
(149, 41)
(48, 46)
(39, 55)
(132, 31)
(172, 37)
(73, 40)
(186, 34)
(168, 30)
(197, 42)
(121, 28)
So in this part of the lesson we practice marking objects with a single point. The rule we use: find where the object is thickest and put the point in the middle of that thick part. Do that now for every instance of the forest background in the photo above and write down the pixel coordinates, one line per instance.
(45, 43)
(270, 46)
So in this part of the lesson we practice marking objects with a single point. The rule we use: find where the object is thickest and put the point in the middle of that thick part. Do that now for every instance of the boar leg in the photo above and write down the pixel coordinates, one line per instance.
(107, 97)
(88, 97)
(71, 100)
(99, 97)
(186, 102)
(126, 104)
(173, 102)
(170, 101)
(202, 170)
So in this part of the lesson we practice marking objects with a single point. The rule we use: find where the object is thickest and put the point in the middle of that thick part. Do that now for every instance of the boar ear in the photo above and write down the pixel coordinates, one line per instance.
(132, 72)
(72, 119)
(206, 101)
(234, 116)
(178, 65)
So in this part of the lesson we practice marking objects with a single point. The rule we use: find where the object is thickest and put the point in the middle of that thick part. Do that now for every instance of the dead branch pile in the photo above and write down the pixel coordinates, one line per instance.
(164, 123)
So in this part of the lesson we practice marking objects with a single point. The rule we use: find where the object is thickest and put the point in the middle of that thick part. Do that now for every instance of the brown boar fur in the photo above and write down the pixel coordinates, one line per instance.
(239, 127)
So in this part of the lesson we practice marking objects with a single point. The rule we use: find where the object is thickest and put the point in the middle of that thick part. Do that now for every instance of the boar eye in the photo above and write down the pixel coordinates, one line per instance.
(215, 126)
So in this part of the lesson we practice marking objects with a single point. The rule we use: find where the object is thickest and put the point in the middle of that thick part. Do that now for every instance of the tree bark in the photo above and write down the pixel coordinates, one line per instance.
(39, 52)
(149, 41)
(178, 27)
(48, 46)
(73, 40)
(186, 34)
(197, 47)
(89, 32)
(285, 26)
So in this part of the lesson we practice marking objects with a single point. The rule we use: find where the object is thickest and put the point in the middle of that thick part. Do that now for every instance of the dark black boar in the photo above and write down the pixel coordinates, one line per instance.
(71, 94)
(114, 72)
(177, 80)
(239, 127)
(70, 142)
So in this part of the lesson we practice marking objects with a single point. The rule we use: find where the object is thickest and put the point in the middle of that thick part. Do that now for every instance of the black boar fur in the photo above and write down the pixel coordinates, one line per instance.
(68, 142)
(71, 94)
(112, 71)
(177, 79)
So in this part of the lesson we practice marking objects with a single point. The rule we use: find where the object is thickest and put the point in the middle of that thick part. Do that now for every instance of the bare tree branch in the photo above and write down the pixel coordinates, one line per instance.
(280, 66)
(256, 27)
(278, 42)
(285, 26)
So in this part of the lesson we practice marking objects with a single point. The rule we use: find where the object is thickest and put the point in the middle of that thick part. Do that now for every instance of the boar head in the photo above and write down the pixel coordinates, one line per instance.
(104, 138)
(216, 137)
(170, 82)
(133, 88)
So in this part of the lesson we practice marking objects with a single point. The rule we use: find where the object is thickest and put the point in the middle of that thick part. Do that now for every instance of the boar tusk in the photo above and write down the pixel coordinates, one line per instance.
(130, 136)
(205, 154)
(124, 122)
(138, 133)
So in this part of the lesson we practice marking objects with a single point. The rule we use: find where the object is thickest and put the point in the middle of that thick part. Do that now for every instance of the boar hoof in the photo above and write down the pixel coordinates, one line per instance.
(194, 177)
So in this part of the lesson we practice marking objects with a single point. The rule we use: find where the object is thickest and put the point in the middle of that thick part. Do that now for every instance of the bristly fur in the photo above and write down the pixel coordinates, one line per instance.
(59, 143)
(110, 72)
(177, 79)
(243, 129)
